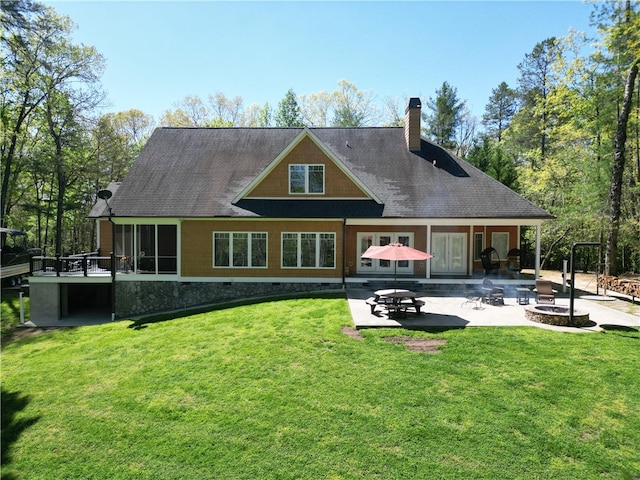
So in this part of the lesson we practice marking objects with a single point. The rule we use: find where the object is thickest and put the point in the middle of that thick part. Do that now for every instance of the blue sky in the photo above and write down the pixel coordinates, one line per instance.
(159, 52)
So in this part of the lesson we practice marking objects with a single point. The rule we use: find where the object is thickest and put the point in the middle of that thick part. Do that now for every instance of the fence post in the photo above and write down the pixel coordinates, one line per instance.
(84, 263)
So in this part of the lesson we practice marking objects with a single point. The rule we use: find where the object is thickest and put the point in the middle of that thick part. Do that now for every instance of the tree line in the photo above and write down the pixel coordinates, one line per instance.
(566, 136)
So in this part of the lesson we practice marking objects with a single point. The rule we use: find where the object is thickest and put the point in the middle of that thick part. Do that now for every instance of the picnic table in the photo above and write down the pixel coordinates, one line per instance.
(395, 301)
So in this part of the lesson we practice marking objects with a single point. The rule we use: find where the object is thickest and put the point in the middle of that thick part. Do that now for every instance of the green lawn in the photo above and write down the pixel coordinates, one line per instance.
(276, 390)
(10, 310)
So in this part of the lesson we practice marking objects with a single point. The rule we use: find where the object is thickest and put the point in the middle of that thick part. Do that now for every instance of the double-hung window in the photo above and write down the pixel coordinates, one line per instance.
(308, 250)
(240, 249)
(306, 179)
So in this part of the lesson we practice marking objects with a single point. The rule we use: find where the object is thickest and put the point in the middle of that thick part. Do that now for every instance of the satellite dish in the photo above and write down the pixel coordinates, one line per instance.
(105, 194)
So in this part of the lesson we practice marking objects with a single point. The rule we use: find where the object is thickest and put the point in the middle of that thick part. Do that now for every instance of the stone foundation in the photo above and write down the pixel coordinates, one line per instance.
(141, 298)
(555, 315)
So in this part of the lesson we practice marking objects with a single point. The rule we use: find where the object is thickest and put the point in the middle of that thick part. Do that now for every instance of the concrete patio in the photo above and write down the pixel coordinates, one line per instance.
(454, 311)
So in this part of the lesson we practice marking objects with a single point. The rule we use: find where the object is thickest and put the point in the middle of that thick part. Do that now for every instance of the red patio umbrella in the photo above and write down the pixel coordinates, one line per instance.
(395, 252)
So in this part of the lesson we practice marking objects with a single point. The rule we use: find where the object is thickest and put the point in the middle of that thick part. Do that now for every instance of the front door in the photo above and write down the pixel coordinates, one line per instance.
(449, 253)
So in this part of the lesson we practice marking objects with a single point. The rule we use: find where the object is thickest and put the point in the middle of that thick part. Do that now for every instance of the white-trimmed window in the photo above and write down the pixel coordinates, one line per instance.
(239, 249)
(306, 178)
(308, 250)
(500, 241)
(478, 245)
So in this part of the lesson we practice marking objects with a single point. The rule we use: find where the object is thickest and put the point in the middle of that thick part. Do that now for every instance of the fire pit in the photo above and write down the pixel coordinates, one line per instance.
(555, 315)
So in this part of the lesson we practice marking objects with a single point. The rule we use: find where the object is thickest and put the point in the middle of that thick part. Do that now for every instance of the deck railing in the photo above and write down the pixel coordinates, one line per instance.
(84, 264)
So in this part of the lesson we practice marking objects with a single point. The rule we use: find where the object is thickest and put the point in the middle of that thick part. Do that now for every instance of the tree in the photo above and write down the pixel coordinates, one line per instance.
(623, 39)
(611, 263)
(490, 156)
(501, 108)
(535, 84)
(25, 41)
(288, 114)
(315, 108)
(393, 109)
(225, 111)
(47, 83)
(192, 111)
(257, 116)
(353, 107)
(65, 108)
(444, 116)
(189, 112)
(465, 131)
(265, 115)
(117, 138)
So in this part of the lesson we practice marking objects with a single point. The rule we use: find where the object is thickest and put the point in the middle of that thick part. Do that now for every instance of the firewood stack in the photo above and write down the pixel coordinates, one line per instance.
(620, 285)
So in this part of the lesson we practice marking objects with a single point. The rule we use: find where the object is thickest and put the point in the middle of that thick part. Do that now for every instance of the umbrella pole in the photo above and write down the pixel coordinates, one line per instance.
(395, 275)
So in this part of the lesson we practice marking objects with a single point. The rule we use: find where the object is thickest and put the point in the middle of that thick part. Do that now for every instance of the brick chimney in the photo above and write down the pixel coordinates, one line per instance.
(412, 124)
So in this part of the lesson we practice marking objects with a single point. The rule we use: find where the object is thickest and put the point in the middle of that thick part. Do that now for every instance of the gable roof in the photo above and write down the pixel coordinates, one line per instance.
(204, 172)
(306, 133)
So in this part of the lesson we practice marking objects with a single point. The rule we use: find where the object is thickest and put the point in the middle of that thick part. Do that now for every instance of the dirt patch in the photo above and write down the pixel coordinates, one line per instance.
(24, 332)
(352, 333)
(424, 345)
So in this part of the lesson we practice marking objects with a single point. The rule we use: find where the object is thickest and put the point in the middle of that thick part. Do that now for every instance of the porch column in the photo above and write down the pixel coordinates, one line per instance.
(427, 262)
(471, 245)
(537, 250)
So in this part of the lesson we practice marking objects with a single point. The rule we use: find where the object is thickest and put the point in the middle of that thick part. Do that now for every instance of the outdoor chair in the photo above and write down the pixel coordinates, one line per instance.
(513, 261)
(491, 294)
(545, 292)
(487, 264)
(471, 296)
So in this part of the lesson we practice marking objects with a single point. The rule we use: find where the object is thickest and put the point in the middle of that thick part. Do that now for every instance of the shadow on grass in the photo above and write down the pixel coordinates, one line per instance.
(622, 330)
(441, 323)
(142, 322)
(12, 403)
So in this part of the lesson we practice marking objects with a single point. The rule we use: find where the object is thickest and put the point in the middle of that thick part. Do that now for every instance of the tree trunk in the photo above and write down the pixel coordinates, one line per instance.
(615, 194)
(552, 246)
(62, 190)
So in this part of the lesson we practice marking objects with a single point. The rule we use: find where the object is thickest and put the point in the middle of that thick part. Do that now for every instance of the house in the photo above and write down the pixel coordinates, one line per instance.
(212, 214)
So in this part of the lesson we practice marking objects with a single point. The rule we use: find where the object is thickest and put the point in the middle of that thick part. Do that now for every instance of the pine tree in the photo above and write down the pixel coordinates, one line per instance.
(288, 114)
(444, 116)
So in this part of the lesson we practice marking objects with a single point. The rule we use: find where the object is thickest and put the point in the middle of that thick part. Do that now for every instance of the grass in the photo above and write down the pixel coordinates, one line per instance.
(275, 390)
(10, 310)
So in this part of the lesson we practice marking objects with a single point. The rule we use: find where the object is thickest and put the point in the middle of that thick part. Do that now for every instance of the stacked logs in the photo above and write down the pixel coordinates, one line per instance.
(620, 285)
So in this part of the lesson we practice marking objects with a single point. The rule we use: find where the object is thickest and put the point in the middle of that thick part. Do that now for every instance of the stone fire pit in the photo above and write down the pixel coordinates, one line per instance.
(555, 315)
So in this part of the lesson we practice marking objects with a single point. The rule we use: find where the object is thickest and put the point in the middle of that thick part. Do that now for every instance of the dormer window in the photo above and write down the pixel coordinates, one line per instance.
(306, 179)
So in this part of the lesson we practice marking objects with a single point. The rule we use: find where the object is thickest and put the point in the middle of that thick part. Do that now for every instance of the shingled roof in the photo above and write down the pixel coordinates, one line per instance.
(198, 172)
